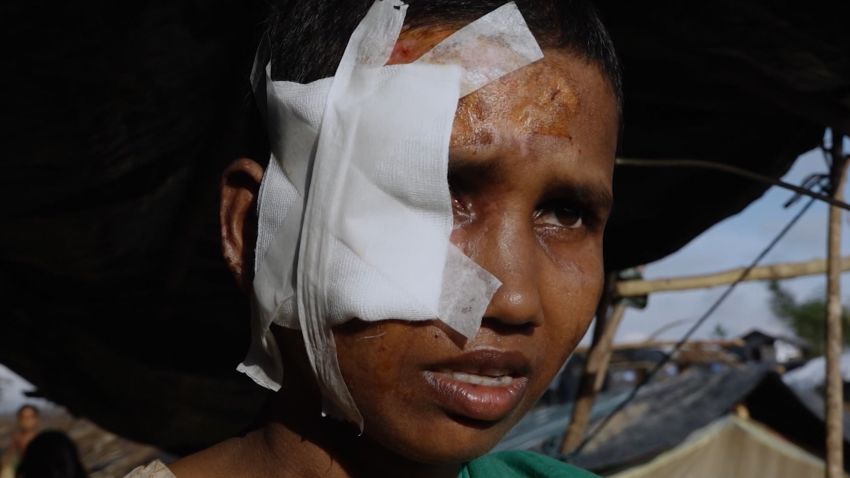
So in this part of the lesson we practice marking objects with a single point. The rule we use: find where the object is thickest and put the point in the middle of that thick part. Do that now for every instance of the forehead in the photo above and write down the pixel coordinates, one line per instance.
(560, 107)
(561, 96)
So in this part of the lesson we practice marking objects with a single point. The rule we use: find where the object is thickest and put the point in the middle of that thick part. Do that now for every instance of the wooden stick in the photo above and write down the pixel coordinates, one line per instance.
(633, 288)
(834, 386)
(595, 368)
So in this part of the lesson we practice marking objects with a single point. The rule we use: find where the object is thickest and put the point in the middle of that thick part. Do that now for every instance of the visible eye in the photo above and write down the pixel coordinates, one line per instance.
(561, 217)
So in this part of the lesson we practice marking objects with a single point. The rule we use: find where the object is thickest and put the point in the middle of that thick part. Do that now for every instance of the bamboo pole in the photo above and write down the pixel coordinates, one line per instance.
(833, 339)
(595, 368)
(635, 288)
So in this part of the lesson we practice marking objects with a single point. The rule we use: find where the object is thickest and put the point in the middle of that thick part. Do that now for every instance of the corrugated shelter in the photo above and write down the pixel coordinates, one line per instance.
(670, 421)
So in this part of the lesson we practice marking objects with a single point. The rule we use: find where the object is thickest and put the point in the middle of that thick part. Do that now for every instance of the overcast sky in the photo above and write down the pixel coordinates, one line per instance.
(733, 243)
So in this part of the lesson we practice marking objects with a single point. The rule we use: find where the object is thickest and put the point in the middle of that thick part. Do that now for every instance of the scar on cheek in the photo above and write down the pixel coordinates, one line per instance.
(374, 336)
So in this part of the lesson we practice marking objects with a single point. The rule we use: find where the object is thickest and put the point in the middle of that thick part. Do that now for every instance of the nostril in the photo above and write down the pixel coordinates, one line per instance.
(502, 327)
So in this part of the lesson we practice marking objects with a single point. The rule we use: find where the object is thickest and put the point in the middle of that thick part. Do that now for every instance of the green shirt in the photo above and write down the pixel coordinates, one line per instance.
(520, 464)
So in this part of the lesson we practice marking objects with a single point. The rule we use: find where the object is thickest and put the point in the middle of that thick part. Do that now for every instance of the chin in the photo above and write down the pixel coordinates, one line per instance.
(445, 440)
(448, 452)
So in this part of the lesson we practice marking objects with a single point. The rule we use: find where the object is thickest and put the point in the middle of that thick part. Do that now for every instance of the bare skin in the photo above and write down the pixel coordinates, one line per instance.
(27, 429)
(530, 169)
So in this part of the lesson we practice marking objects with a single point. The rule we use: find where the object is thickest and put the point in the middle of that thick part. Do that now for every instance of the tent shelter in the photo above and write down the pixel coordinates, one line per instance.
(731, 447)
(116, 303)
(721, 420)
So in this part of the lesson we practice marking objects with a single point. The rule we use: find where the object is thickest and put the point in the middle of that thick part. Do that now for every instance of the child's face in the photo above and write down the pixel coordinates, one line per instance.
(530, 169)
(27, 419)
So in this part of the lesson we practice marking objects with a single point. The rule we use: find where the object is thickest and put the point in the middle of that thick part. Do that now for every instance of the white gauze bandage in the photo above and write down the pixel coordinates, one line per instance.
(354, 208)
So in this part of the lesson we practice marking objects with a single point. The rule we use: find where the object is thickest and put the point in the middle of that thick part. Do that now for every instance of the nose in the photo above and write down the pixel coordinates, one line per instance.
(506, 247)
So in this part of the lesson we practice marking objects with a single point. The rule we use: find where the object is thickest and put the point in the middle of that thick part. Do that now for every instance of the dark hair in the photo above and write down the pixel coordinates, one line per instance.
(307, 39)
(51, 454)
(30, 407)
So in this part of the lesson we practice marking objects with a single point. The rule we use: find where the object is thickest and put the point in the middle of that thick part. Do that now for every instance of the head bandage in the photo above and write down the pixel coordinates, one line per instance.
(354, 209)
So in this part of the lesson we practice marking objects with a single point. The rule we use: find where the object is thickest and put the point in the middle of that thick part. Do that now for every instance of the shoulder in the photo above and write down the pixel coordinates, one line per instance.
(20, 441)
(231, 457)
(523, 464)
(212, 462)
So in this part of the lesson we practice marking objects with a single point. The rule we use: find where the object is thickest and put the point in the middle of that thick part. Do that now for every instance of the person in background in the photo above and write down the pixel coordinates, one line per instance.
(51, 454)
(27, 428)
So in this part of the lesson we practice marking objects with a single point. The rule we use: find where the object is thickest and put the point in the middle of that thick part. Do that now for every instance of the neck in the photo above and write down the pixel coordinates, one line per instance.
(298, 442)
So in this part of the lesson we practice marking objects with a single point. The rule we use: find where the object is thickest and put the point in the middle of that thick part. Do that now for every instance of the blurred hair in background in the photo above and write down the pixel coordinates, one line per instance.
(51, 454)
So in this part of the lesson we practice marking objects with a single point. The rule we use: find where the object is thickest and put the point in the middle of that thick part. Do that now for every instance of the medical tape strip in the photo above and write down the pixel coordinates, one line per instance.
(488, 49)
(367, 245)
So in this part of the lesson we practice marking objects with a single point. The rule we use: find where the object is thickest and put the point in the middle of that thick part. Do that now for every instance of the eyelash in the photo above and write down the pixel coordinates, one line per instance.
(554, 210)
(584, 220)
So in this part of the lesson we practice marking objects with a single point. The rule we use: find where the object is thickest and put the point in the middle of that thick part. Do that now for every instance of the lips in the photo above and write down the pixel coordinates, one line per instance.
(484, 385)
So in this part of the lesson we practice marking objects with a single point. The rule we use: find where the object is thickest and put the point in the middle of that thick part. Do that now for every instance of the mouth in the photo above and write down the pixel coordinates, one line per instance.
(483, 385)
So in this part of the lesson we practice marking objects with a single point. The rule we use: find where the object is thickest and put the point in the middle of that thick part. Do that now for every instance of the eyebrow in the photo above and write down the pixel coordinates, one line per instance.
(585, 192)
(463, 167)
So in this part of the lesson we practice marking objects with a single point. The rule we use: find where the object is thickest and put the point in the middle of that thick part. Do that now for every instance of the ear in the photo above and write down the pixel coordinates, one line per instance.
(240, 186)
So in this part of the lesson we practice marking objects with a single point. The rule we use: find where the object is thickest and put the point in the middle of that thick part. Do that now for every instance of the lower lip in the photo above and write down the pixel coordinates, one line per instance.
(478, 402)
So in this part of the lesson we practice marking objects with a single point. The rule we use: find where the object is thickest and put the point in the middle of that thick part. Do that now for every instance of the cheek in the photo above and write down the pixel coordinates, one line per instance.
(380, 363)
(374, 358)
(570, 290)
(362, 350)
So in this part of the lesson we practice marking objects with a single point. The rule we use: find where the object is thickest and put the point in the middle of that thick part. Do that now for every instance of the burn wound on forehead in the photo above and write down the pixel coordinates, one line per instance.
(538, 99)
(414, 42)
